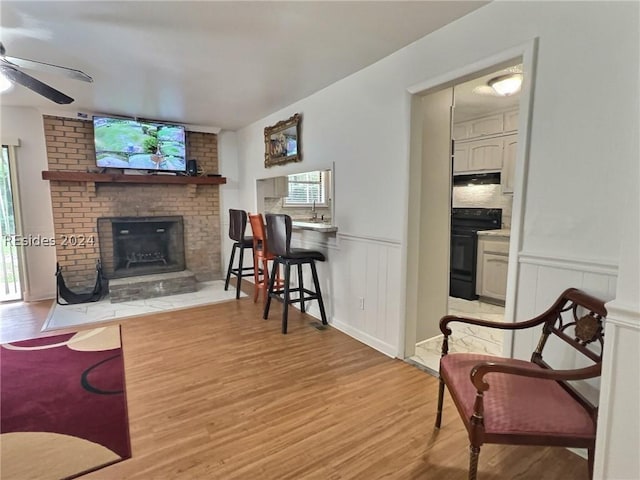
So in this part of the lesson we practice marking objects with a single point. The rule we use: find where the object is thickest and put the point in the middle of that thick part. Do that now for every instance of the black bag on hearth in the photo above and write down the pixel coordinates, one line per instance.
(72, 298)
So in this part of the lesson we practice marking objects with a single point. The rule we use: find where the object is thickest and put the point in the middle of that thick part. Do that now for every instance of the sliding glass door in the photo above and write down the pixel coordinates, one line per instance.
(10, 288)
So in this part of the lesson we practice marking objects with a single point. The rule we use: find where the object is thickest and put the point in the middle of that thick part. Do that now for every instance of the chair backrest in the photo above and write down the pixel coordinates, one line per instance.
(577, 319)
(259, 234)
(237, 224)
(279, 233)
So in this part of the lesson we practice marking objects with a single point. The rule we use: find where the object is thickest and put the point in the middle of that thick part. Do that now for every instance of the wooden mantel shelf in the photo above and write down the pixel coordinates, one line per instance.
(68, 176)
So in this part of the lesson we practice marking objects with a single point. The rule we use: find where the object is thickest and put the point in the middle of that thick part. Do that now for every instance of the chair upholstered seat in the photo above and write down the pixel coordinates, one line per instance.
(304, 253)
(246, 242)
(516, 405)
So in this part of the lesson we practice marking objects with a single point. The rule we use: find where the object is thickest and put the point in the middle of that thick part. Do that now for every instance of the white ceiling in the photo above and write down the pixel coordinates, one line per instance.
(222, 64)
(470, 104)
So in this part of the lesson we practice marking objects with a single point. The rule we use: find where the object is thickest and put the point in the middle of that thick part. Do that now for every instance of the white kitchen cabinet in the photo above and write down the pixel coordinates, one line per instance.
(461, 130)
(480, 127)
(275, 187)
(493, 264)
(491, 125)
(494, 276)
(511, 121)
(496, 124)
(510, 148)
(477, 156)
(461, 158)
(496, 151)
(486, 154)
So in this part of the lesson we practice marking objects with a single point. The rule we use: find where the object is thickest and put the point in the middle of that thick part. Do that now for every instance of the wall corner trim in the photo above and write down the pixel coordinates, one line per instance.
(11, 141)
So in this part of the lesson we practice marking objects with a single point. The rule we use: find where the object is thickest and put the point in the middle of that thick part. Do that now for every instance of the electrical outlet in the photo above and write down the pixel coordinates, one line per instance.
(361, 303)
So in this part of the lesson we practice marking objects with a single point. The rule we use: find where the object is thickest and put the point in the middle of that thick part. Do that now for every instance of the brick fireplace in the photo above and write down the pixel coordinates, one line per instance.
(77, 206)
(133, 246)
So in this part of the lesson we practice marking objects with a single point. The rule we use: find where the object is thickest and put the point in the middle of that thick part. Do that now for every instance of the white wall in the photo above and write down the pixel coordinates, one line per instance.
(583, 124)
(37, 217)
(228, 167)
(579, 130)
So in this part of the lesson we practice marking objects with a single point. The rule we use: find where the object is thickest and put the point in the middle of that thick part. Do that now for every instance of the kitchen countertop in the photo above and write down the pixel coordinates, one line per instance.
(503, 232)
(314, 226)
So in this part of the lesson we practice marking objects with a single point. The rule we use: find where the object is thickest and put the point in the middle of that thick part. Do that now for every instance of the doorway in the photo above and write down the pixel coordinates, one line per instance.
(482, 133)
(10, 281)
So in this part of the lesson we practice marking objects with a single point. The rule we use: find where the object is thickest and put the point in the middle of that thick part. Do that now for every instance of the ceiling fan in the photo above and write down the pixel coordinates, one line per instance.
(10, 68)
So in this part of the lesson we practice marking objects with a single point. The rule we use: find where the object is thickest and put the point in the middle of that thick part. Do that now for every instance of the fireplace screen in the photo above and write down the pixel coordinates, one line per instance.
(131, 246)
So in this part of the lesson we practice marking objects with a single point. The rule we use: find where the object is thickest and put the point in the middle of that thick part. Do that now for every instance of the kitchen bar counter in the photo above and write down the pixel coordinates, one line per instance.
(503, 232)
(314, 226)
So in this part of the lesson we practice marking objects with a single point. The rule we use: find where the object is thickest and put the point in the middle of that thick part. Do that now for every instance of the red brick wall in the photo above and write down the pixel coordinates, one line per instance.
(77, 206)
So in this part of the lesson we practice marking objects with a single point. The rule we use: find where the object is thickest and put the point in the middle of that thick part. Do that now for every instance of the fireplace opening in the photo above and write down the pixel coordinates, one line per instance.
(132, 246)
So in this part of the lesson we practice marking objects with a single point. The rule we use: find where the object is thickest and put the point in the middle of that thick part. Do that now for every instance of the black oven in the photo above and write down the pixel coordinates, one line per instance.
(465, 223)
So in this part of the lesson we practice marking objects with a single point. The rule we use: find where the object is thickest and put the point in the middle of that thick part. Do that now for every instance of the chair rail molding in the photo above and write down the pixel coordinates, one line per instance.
(366, 238)
(569, 263)
(541, 276)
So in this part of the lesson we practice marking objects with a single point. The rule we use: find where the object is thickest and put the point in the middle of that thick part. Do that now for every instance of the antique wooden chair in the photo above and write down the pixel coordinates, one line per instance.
(517, 402)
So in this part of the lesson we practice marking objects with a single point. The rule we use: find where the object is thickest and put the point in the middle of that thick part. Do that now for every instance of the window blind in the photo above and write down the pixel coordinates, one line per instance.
(306, 188)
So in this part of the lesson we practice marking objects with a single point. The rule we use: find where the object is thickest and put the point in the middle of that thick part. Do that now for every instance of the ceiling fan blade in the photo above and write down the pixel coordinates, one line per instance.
(48, 67)
(36, 85)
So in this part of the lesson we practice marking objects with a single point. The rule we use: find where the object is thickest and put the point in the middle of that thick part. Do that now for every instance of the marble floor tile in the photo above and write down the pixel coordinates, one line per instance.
(63, 316)
(427, 357)
(465, 338)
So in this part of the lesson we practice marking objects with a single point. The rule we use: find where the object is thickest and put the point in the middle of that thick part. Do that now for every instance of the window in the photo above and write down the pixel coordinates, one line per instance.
(307, 188)
(10, 288)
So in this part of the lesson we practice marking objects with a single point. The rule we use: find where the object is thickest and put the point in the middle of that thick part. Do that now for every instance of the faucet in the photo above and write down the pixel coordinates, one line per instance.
(314, 214)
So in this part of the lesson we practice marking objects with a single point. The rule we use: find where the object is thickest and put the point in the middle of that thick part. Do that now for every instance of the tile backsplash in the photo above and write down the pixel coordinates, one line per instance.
(274, 205)
(484, 196)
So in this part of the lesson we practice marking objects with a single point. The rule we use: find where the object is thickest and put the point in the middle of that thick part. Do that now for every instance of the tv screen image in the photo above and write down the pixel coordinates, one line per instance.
(125, 143)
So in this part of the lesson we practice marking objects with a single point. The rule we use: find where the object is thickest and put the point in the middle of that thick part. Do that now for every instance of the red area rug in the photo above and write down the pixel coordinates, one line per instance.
(63, 405)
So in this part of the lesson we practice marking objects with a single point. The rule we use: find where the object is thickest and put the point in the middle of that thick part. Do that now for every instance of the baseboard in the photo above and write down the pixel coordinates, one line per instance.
(39, 297)
(581, 452)
(376, 344)
(437, 338)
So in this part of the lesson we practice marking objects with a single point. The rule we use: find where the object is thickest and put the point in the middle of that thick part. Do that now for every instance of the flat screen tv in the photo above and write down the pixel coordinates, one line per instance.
(126, 143)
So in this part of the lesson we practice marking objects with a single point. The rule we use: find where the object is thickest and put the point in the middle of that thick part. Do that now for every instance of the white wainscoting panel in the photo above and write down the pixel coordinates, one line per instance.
(618, 436)
(358, 268)
(541, 280)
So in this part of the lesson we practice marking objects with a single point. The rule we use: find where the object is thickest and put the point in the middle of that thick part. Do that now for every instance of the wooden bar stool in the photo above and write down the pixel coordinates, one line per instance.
(261, 258)
(237, 227)
(279, 234)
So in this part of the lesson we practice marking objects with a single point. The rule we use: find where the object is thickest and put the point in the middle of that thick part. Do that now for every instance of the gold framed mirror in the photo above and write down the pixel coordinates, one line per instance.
(282, 142)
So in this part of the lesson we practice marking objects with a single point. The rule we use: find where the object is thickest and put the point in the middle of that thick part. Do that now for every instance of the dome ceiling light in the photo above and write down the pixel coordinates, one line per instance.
(505, 85)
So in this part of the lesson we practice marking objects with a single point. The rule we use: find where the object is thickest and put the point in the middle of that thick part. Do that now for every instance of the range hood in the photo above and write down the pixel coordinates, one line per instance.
(476, 179)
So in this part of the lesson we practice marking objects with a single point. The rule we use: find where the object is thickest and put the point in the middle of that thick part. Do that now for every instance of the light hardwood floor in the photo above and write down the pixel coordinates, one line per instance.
(216, 392)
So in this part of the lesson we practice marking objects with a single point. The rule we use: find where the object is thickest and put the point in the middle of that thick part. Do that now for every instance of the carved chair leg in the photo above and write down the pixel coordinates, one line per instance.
(440, 400)
(474, 453)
